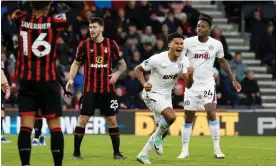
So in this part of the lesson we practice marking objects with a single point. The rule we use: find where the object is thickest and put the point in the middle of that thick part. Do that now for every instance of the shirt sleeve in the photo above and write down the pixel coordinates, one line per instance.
(116, 51)
(150, 63)
(220, 52)
(185, 64)
(80, 53)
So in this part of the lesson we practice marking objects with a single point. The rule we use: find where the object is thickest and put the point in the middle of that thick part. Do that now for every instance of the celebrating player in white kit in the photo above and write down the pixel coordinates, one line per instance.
(165, 68)
(201, 51)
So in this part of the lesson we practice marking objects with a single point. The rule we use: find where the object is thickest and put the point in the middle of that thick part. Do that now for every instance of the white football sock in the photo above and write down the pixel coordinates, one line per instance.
(162, 128)
(186, 134)
(215, 129)
(148, 147)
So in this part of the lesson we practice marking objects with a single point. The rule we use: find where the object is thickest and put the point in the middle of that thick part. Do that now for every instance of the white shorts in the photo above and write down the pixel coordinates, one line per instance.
(195, 100)
(156, 103)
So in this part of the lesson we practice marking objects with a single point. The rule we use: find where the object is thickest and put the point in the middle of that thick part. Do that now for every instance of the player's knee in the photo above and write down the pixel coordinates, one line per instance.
(111, 121)
(83, 121)
(171, 118)
(53, 123)
(2, 113)
(27, 121)
(211, 115)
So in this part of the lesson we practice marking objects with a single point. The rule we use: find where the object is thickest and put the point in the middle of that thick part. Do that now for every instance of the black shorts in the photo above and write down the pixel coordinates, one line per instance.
(44, 96)
(106, 102)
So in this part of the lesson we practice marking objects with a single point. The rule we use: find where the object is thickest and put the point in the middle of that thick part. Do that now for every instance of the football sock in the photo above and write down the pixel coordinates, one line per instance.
(115, 139)
(148, 147)
(165, 134)
(24, 145)
(79, 134)
(2, 125)
(162, 128)
(214, 128)
(38, 127)
(57, 146)
(186, 134)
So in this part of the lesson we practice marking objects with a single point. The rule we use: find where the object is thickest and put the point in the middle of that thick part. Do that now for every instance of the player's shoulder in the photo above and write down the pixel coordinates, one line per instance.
(214, 41)
(160, 56)
(191, 39)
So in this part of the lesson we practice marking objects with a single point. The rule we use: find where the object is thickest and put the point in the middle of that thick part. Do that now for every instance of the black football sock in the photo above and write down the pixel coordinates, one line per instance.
(2, 125)
(38, 127)
(115, 138)
(57, 146)
(79, 134)
(24, 145)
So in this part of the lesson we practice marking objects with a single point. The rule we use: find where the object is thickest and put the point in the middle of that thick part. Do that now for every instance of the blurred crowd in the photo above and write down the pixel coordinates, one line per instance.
(141, 30)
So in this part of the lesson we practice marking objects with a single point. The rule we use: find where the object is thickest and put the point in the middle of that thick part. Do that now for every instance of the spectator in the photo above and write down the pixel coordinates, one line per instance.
(121, 19)
(147, 36)
(133, 34)
(178, 96)
(187, 28)
(133, 88)
(146, 50)
(122, 99)
(217, 34)
(154, 23)
(164, 33)
(145, 10)
(258, 34)
(229, 93)
(171, 22)
(160, 46)
(217, 80)
(238, 65)
(135, 60)
(251, 90)
(270, 46)
(192, 13)
(133, 13)
(63, 51)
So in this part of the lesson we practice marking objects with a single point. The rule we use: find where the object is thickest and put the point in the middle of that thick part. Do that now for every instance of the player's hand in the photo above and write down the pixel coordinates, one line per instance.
(147, 86)
(237, 85)
(6, 89)
(114, 77)
(67, 93)
(69, 86)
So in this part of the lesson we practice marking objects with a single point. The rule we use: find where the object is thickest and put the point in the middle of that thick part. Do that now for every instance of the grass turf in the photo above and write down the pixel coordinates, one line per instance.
(97, 151)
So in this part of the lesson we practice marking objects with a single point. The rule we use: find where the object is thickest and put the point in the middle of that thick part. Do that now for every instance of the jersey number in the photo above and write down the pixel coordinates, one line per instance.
(114, 104)
(39, 41)
(208, 94)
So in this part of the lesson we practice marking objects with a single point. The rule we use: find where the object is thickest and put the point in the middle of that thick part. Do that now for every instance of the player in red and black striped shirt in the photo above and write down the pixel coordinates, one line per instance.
(36, 70)
(98, 54)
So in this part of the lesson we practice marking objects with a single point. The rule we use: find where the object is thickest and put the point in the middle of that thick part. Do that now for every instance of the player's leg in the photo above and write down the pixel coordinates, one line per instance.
(210, 104)
(38, 127)
(214, 128)
(51, 109)
(190, 107)
(3, 140)
(27, 111)
(88, 101)
(109, 108)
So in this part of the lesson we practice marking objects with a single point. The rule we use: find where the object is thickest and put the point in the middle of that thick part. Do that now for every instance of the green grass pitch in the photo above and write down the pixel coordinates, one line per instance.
(97, 151)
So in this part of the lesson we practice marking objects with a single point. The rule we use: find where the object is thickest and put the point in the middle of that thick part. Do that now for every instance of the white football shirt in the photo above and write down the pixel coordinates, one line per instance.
(202, 57)
(164, 72)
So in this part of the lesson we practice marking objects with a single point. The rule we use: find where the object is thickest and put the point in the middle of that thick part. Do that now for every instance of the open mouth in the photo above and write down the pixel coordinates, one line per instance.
(178, 50)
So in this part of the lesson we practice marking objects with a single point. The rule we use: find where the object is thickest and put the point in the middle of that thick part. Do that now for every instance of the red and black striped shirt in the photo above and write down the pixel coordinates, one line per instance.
(37, 45)
(98, 60)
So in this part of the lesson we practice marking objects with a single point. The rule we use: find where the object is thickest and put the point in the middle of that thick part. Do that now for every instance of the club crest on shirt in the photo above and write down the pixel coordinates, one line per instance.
(211, 47)
(164, 65)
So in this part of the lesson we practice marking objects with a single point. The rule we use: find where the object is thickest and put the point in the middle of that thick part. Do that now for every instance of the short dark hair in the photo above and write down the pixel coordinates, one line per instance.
(96, 20)
(206, 18)
(40, 4)
(175, 35)
(237, 53)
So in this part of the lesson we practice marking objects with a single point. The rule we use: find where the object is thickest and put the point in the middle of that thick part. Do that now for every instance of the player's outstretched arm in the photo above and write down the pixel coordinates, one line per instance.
(224, 65)
(73, 71)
